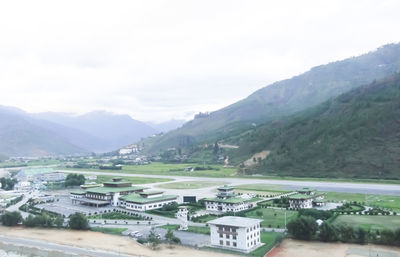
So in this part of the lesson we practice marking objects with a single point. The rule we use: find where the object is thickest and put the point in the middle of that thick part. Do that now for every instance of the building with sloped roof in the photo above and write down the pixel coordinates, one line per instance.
(306, 198)
(227, 201)
(108, 194)
(144, 201)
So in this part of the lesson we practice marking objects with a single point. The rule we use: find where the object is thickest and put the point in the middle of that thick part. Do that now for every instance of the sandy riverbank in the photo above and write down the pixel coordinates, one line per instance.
(96, 240)
(296, 248)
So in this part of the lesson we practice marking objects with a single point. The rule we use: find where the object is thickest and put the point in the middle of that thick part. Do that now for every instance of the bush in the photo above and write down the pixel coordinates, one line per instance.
(11, 218)
(303, 228)
(78, 221)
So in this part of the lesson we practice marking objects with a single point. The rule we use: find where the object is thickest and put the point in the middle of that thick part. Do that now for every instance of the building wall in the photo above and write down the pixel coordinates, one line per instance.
(235, 238)
(144, 207)
(228, 207)
(300, 203)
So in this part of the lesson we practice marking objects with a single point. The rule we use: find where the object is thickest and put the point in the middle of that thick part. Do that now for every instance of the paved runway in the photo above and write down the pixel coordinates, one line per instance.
(348, 187)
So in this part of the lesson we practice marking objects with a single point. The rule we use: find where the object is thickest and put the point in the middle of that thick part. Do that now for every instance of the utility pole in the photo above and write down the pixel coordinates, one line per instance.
(285, 221)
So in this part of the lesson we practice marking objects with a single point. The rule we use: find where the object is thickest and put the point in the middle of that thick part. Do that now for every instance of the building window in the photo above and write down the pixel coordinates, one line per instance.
(234, 244)
(221, 242)
(234, 237)
(228, 243)
(227, 236)
(220, 235)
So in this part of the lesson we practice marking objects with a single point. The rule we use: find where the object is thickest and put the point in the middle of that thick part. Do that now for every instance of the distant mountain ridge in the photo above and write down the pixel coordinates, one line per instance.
(43, 134)
(283, 98)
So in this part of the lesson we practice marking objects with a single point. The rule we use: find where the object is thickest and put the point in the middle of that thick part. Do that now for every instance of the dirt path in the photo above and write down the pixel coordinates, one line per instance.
(296, 248)
(96, 240)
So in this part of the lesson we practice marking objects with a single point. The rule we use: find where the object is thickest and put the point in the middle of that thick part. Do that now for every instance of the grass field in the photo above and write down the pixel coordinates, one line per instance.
(112, 231)
(269, 239)
(384, 201)
(190, 185)
(158, 168)
(134, 180)
(193, 229)
(369, 222)
(274, 218)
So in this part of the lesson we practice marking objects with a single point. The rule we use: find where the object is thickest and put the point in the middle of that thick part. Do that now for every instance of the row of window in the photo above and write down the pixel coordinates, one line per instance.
(253, 228)
(255, 235)
(227, 236)
(252, 243)
(227, 243)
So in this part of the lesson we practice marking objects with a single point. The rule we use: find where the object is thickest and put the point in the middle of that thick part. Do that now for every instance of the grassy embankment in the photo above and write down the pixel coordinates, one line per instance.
(193, 229)
(369, 222)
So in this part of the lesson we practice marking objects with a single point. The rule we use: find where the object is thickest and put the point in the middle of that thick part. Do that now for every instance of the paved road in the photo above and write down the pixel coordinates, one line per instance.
(348, 187)
(58, 247)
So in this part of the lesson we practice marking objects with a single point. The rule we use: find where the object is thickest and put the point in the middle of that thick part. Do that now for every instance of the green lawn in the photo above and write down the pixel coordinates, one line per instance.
(193, 229)
(158, 168)
(113, 231)
(269, 239)
(135, 180)
(274, 218)
(369, 222)
(384, 201)
(205, 218)
(190, 184)
(114, 216)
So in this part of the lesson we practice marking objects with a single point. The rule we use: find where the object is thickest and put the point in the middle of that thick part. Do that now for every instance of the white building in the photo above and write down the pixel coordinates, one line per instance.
(53, 177)
(306, 198)
(235, 233)
(144, 201)
(23, 186)
(129, 150)
(226, 201)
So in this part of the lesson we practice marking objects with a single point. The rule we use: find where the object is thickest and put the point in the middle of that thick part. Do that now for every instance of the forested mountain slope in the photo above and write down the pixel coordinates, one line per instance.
(355, 135)
(284, 98)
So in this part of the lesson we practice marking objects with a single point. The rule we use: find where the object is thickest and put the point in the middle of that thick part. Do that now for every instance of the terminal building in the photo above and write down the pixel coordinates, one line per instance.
(306, 198)
(144, 201)
(108, 194)
(227, 201)
(235, 233)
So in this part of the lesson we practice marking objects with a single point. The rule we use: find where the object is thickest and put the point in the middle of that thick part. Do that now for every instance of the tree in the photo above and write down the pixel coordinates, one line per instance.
(59, 221)
(171, 238)
(11, 218)
(302, 228)
(154, 239)
(346, 233)
(73, 179)
(328, 233)
(8, 183)
(78, 221)
(361, 236)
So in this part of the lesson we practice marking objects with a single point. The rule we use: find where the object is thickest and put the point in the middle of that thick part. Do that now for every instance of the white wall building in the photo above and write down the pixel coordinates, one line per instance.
(235, 233)
(226, 201)
(146, 200)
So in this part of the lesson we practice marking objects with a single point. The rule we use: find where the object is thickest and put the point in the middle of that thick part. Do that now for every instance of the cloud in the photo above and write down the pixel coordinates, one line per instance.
(158, 60)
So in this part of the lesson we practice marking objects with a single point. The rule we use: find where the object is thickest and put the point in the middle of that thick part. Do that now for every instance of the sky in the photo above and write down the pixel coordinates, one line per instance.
(161, 60)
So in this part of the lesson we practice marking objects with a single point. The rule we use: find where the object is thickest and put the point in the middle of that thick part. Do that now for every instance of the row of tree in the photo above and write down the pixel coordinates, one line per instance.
(306, 228)
(77, 221)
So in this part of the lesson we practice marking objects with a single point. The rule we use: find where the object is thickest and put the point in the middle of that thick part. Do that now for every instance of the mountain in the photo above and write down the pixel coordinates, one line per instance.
(166, 126)
(283, 98)
(21, 135)
(110, 131)
(355, 135)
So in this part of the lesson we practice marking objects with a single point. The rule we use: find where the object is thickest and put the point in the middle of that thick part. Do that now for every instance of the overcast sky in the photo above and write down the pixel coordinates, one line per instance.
(158, 60)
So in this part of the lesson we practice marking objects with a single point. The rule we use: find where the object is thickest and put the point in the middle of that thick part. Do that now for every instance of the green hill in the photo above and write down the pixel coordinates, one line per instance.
(283, 98)
(356, 135)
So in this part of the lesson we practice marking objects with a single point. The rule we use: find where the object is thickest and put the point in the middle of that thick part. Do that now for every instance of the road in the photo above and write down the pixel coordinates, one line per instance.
(24, 200)
(30, 243)
(347, 187)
